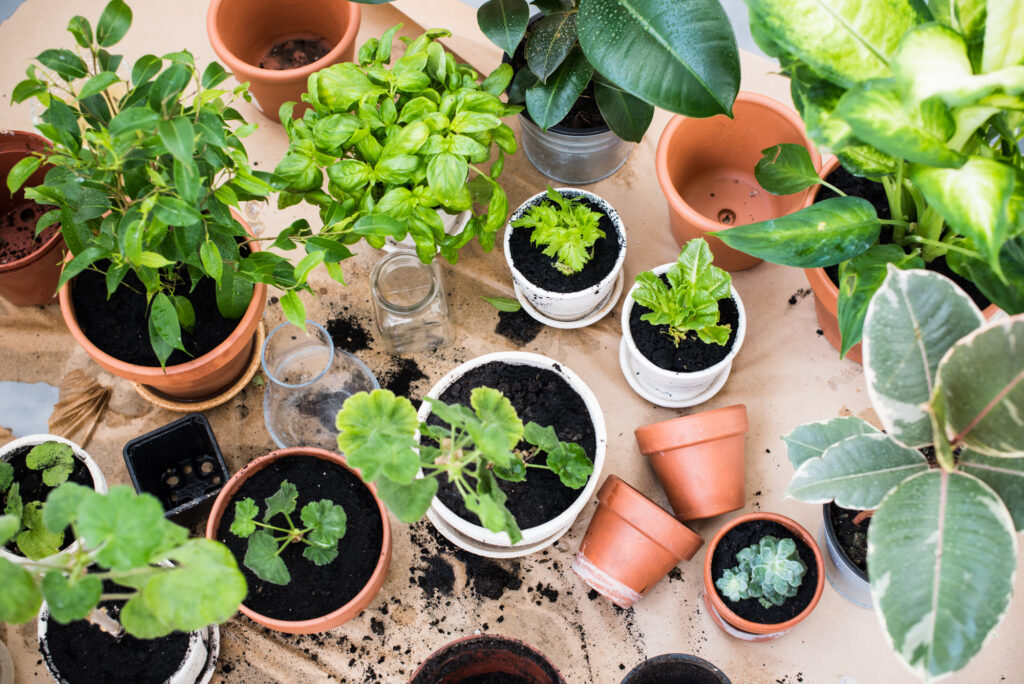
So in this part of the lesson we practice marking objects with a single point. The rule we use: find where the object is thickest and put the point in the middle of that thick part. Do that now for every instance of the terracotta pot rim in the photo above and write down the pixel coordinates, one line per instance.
(747, 625)
(670, 529)
(41, 251)
(684, 431)
(488, 636)
(668, 189)
(369, 590)
(239, 66)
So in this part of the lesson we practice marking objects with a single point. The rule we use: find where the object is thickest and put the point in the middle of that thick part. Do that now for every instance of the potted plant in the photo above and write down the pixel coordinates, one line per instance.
(675, 667)
(590, 73)
(30, 468)
(846, 539)
(487, 657)
(401, 146)
(699, 460)
(118, 581)
(922, 112)
(936, 378)
(29, 259)
(630, 544)
(682, 325)
(566, 249)
(314, 540)
(508, 488)
(763, 575)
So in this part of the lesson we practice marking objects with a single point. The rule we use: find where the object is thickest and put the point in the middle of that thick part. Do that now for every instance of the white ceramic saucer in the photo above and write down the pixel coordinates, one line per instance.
(593, 317)
(660, 398)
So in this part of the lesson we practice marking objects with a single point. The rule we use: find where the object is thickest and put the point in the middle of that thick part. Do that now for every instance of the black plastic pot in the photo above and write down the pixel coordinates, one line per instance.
(180, 464)
(675, 668)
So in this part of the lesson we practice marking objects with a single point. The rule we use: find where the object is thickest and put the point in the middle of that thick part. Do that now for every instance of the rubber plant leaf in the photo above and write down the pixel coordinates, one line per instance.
(1004, 475)
(811, 439)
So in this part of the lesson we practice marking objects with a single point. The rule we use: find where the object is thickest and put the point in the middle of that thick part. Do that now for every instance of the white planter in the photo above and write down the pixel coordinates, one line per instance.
(453, 224)
(197, 666)
(479, 539)
(670, 387)
(567, 306)
(99, 483)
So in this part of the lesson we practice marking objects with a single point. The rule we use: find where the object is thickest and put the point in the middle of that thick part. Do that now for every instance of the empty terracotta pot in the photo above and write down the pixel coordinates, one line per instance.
(699, 460)
(243, 32)
(631, 543)
(32, 279)
(483, 657)
(706, 171)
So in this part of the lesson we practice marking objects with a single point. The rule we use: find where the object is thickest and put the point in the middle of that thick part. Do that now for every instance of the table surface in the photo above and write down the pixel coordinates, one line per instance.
(786, 374)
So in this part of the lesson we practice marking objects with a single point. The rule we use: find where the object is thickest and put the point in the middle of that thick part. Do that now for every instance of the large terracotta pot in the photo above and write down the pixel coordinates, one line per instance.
(200, 378)
(32, 279)
(242, 32)
(706, 172)
(339, 615)
(733, 624)
(483, 656)
(631, 544)
(699, 460)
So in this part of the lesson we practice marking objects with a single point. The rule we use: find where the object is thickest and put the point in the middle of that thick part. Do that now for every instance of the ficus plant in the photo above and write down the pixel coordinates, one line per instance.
(473, 448)
(678, 56)
(942, 546)
(565, 228)
(170, 582)
(770, 571)
(398, 143)
(926, 99)
(689, 302)
(54, 461)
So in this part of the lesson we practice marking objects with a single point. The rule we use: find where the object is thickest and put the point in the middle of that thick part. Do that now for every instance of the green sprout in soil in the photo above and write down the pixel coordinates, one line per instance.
(55, 460)
(770, 571)
(567, 232)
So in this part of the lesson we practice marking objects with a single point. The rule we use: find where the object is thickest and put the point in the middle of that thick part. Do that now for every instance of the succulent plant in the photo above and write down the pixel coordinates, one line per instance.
(770, 571)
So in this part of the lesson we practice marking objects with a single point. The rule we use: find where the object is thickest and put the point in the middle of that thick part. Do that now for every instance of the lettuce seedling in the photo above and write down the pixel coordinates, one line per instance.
(474, 448)
(689, 303)
(770, 571)
(324, 520)
(567, 232)
(56, 461)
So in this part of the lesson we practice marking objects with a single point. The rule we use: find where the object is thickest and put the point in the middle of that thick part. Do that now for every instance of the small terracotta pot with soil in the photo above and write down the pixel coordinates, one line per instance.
(631, 544)
(276, 44)
(343, 587)
(706, 172)
(747, 619)
(487, 658)
(699, 460)
(29, 265)
(675, 668)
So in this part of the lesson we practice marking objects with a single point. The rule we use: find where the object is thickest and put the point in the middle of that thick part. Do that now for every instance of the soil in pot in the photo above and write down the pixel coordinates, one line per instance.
(314, 590)
(540, 270)
(744, 535)
(853, 537)
(673, 672)
(544, 397)
(18, 229)
(295, 52)
(32, 487)
(119, 326)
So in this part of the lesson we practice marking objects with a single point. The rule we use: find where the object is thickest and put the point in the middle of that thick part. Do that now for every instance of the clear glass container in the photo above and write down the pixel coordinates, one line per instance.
(574, 156)
(411, 307)
(308, 381)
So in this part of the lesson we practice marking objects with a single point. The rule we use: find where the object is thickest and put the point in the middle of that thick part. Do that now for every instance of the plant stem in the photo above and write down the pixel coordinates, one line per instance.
(942, 245)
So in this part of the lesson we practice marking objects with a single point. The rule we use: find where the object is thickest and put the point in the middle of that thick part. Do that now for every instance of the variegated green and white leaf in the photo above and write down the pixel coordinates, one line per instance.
(1004, 475)
(1004, 34)
(913, 319)
(811, 439)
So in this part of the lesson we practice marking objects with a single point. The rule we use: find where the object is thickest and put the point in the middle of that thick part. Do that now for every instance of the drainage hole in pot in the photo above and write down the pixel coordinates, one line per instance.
(172, 480)
(215, 479)
(206, 467)
(187, 469)
(727, 216)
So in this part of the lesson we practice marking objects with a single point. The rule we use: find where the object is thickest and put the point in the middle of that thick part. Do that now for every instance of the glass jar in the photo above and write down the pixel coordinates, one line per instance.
(308, 381)
(572, 156)
(410, 304)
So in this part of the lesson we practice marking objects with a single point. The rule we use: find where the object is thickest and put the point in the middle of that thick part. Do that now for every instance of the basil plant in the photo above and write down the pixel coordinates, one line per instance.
(942, 546)
(923, 98)
(399, 143)
(678, 56)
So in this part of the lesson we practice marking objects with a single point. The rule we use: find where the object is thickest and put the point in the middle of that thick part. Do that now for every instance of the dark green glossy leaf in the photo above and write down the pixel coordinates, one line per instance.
(163, 322)
(98, 84)
(628, 116)
(548, 103)
(65, 63)
(504, 22)
(114, 23)
(21, 172)
(550, 41)
(81, 29)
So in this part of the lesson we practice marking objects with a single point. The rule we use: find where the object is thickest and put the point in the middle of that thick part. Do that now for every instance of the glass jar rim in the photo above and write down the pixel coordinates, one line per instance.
(382, 301)
(307, 383)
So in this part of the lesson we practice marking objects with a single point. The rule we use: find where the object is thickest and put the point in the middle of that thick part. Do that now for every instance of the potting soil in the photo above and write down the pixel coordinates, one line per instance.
(18, 232)
(294, 53)
(692, 354)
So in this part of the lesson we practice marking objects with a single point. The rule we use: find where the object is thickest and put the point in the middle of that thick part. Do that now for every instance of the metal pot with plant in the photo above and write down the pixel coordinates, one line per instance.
(942, 545)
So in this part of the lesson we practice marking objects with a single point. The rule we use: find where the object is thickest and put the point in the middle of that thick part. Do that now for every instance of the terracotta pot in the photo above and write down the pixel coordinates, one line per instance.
(483, 655)
(699, 460)
(202, 377)
(32, 279)
(732, 623)
(631, 543)
(339, 615)
(242, 32)
(706, 172)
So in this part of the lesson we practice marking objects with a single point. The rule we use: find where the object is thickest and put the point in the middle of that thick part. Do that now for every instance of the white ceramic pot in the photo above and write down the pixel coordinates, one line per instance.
(670, 385)
(567, 306)
(479, 539)
(197, 666)
(453, 225)
(99, 483)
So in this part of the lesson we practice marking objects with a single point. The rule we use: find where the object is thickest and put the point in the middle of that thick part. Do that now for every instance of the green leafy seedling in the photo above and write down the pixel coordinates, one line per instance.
(55, 459)
(567, 230)
(324, 525)
(770, 571)
(507, 304)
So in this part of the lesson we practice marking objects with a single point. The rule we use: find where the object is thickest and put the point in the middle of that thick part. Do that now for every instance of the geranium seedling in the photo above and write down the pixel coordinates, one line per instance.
(56, 461)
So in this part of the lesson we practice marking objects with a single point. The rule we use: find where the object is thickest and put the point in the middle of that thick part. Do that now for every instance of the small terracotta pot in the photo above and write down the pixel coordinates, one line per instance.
(706, 172)
(483, 655)
(202, 377)
(242, 32)
(733, 624)
(339, 615)
(631, 543)
(699, 460)
(32, 279)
